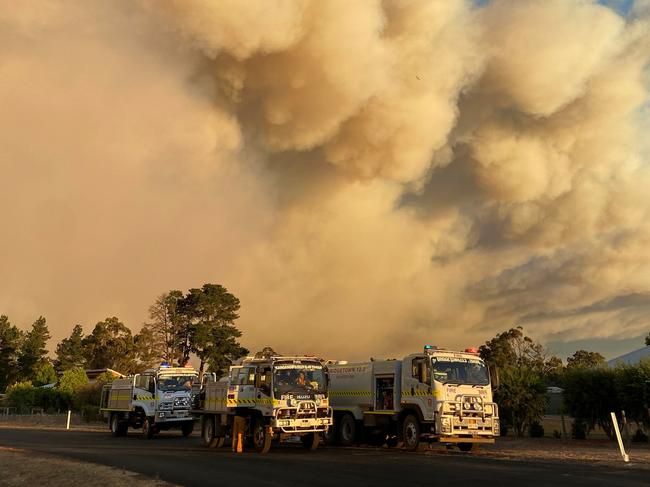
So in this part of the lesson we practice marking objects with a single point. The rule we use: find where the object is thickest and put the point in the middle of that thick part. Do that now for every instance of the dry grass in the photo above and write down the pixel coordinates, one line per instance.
(51, 421)
(596, 451)
(19, 468)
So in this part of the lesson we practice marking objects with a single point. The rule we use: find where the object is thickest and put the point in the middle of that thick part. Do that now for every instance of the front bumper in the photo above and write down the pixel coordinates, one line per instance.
(468, 424)
(173, 416)
(290, 420)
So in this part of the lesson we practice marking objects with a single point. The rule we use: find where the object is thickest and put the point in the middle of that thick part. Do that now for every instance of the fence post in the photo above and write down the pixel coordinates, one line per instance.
(67, 426)
(625, 456)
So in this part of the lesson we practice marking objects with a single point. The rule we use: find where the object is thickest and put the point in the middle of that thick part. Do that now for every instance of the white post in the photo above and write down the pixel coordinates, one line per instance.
(625, 456)
(67, 426)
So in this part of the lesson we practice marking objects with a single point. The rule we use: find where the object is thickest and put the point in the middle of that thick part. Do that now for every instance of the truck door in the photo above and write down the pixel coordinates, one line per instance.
(263, 384)
(241, 392)
(419, 386)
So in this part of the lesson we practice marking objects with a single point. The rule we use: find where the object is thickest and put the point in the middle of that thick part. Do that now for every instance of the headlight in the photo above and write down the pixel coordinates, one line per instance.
(478, 406)
(488, 409)
(467, 405)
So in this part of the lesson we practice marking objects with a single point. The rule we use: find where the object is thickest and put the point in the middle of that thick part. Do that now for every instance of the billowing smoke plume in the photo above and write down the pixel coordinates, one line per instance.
(366, 176)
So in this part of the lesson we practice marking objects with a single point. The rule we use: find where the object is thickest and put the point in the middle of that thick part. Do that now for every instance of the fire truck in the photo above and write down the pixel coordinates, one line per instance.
(273, 398)
(158, 399)
(437, 395)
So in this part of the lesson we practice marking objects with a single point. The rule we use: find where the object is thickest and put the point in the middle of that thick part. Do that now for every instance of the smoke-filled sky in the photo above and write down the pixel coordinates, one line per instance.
(365, 176)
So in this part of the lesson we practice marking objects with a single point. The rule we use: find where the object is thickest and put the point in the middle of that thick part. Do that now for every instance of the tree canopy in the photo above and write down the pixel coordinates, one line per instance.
(70, 351)
(33, 352)
(208, 316)
(10, 342)
(110, 345)
(585, 359)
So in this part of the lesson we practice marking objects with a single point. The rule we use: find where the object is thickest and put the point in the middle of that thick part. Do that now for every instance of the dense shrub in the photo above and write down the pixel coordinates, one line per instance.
(590, 395)
(536, 430)
(21, 396)
(522, 397)
(578, 430)
(640, 436)
(25, 397)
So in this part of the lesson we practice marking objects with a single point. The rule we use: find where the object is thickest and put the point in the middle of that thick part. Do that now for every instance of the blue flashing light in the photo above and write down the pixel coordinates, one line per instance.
(164, 364)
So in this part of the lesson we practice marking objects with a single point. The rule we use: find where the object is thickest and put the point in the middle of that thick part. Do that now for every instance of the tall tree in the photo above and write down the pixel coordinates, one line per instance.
(208, 316)
(166, 327)
(146, 349)
(10, 342)
(525, 369)
(110, 345)
(70, 351)
(33, 353)
(513, 347)
(584, 359)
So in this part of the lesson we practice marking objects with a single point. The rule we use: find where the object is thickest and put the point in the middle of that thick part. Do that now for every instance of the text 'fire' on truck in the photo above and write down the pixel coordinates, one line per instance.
(438, 395)
(278, 398)
(156, 400)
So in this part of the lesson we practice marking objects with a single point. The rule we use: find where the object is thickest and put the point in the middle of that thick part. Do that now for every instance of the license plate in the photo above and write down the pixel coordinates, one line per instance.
(472, 423)
(182, 413)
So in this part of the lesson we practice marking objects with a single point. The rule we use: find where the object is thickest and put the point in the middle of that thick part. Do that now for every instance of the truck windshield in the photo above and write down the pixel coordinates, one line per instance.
(298, 379)
(174, 383)
(460, 371)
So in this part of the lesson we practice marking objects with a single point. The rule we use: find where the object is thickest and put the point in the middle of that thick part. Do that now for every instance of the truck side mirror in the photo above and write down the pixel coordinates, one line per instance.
(494, 376)
(152, 385)
(136, 379)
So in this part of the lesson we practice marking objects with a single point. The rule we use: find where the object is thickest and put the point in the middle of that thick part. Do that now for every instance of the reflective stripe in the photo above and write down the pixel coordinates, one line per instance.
(419, 393)
(350, 394)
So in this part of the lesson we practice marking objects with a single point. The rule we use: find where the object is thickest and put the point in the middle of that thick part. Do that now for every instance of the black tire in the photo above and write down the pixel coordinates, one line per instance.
(118, 427)
(310, 441)
(261, 436)
(411, 432)
(221, 440)
(392, 442)
(347, 430)
(207, 432)
(467, 447)
(187, 427)
(331, 435)
(148, 429)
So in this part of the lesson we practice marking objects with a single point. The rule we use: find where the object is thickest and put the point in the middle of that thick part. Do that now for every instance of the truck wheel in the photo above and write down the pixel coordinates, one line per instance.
(310, 441)
(187, 427)
(411, 432)
(118, 428)
(347, 430)
(331, 435)
(221, 440)
(207, 432)
(147, 428)
(465, 446)
(261, 436)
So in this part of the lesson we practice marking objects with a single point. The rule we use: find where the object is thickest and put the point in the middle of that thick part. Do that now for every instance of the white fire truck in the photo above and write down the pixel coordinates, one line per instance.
(437, 395)
(274, 397)
(158, 399)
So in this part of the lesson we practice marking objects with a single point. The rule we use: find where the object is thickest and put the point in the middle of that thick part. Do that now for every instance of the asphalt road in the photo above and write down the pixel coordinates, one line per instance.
(184, 461)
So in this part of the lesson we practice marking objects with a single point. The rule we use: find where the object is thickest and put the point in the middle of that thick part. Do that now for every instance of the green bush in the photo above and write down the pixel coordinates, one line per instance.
(640, 436)
(21, 396)
(592, 394)
(52, 400)
(72, 380)
(536, 430)
(578, 430)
